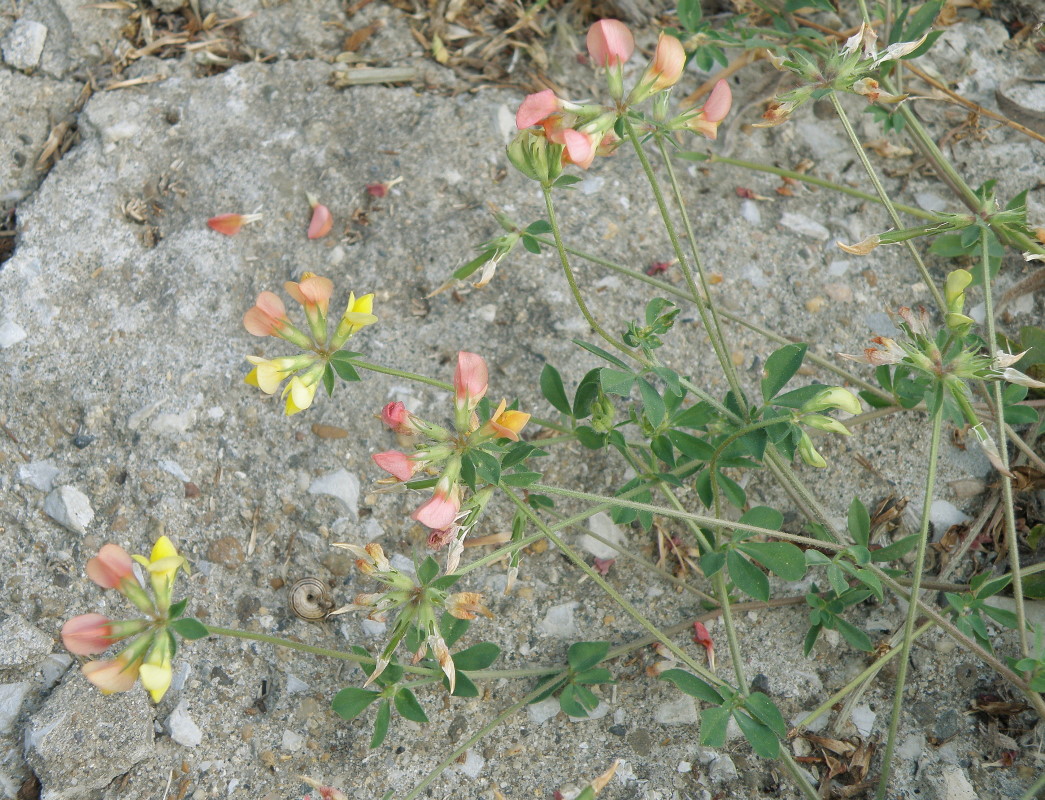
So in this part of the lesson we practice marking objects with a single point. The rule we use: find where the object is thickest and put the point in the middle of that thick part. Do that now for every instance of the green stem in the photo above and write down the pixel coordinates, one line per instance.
(1003, 453)
(614, 595)
(886, 201)
(912, 606)
(572, 281)
(703, 304)
(398, 373)
(721, 590)
(864, 676)
(705, 289)
(700, 519)
(341, 655)
(739, 319)
(714, 158)
(483, 731)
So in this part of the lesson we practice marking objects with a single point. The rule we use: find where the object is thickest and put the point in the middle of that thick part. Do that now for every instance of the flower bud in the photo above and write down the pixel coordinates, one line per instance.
(535, 157)
(824, 423)
(834, 397)
(809, 453)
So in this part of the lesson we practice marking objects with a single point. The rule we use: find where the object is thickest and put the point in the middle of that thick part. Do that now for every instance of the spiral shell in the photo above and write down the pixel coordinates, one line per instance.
(310, 599)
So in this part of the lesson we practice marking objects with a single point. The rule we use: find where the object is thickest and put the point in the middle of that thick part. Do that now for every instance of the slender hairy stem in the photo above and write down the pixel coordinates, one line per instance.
(705, 287)
(1003, 454)
(714, 158)
(341, 655)
(479, 734)
(700, 519)
(912, 606)
(398, 373)
(739, 319)
(703, 303)
(722, 592)
(860, 679)
(572, 281)
(886, 201)
(614, 595)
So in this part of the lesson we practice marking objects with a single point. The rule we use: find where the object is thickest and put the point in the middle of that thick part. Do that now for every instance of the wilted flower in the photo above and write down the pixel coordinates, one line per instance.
(230, 224)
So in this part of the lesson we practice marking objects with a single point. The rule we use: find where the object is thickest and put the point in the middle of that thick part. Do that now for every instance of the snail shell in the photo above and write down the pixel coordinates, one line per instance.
(310, 599)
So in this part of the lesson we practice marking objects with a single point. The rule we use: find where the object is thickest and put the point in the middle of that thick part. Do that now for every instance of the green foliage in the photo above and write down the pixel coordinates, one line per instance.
(969, 608)
(189, 628)
(826, 610)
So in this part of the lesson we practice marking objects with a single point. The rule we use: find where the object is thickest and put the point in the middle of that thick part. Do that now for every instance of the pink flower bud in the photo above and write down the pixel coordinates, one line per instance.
(322, 222)
(110, 567)
(267, 316)
(609, 43)
(396, 417)
(395, 463)
(87, 634)
(230, 224)
(470, 383)
(536, 108)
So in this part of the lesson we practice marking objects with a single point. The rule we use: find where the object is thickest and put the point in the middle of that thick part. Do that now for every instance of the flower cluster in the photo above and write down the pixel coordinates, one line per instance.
(148, 656)
(419, 604)
(320, 357)
(846, 70)
(949, 359)
(574, 133)
(448, 518)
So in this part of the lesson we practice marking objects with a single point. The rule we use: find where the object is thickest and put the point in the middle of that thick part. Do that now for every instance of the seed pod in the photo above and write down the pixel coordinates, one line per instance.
(310, 599)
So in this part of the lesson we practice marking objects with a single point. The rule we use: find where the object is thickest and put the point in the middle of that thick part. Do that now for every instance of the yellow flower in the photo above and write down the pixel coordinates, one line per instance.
(299, 395)
(358, 314)
(269, 373)
(505, 424)
(162, 565)
(155, 673)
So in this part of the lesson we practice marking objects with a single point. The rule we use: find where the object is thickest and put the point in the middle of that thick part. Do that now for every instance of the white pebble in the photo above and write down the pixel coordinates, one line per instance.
(341, 484)
(183, 728)
(70, 508)
(11, 333)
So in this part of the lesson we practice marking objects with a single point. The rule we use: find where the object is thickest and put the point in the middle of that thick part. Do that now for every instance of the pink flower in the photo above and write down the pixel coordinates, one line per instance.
(396, 417)
(87, 634)
(230, 224)
(322, 222)
(470, 384)
(536, 108)
(111, 567)
(580, 148)
(609, 43)
(668, 62)
(117, 675)
(716, 108)
(395, 463)
(438, 511)
(312, 292)
(267, 317)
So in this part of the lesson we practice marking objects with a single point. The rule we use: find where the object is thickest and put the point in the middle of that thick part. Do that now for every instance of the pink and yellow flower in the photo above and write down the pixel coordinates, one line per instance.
(706, 121)
(505, 424)
(87, 634)
(441, 509)
(115, 675)
(470, 380)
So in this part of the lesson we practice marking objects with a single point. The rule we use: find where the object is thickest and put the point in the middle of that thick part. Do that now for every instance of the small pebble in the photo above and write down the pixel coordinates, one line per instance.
(183, 728)
(38, 474)
(814, 304)
(341, 484)
(11, 697)
(839, 292)
(543, 711)
(680, 710)
(292, 741)
(473, 764)
(722, 769)
(11, 333)
(70, 508)
(602, 525)
(799, 223)
(24, 44)
(227, 551)
(558, 622)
